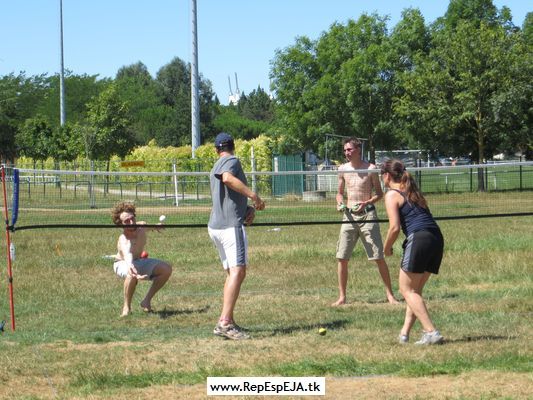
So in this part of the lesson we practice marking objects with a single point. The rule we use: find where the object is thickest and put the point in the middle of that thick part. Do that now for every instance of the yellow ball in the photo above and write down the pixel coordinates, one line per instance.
(322, 331)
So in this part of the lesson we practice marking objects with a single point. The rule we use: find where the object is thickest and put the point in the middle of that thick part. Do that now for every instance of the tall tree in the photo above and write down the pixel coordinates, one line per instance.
(453, 89)
(80, 89)
(410, 42)
(175, 93)
(65, 144)
(108, 132)
(33, 138)
(513, 105)
(294, 73)
(139, 90)
(229, 120)
(341, 84)
(368, 83)
(257, 106)
(527, 29)
(8, 117)
(473, 11)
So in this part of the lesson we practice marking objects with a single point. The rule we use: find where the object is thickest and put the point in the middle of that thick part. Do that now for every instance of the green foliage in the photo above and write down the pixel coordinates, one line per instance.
(257, 106)
(65, 143)
(8, 117)
(160, 159)
(229, 120)
(137, 88)
(459, 86)
(474, 11)
(79, 90)
(174, 112)
(341, 84)
(34, 138)
(451, 94)
(108, 133)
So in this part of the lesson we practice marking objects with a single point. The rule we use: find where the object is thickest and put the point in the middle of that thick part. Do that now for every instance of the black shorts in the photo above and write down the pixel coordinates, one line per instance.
(422, 251)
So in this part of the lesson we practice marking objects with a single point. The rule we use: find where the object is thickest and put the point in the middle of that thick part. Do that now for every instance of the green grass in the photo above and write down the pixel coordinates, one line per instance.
(69, 334)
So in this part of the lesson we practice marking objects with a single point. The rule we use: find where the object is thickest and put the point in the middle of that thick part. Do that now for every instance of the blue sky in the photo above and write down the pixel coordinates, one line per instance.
(234, 36)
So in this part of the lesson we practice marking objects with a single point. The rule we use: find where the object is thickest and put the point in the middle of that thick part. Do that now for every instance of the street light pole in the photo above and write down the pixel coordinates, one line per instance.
(195, 101)
(63, 114)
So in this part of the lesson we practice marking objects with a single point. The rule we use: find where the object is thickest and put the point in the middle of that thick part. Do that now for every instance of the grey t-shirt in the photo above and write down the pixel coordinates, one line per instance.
(229, 206)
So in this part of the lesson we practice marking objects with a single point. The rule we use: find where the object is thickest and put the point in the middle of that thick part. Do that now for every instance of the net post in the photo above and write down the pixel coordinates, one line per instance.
(8, 252)
(175, 180)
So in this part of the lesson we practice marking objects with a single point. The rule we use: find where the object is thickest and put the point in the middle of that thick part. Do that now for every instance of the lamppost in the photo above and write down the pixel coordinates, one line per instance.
(195, 101)
(63, 114)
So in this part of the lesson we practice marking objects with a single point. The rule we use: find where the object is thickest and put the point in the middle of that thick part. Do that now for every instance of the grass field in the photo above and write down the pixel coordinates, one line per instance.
(71, 344)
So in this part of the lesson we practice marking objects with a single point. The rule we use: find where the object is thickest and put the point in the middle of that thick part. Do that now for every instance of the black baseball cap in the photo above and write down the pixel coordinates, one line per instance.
(223, 139)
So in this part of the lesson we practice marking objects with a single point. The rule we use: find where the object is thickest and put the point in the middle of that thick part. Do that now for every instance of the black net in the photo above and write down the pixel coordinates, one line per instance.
(49, 198)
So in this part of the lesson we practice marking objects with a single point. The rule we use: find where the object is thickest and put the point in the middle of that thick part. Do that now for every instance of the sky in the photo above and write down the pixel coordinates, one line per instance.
(234, 36)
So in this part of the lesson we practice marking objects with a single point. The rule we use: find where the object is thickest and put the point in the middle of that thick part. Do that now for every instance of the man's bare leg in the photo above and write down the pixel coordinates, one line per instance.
(342, 272)
(130, 283)
(161, 274)
(385, 276)
(232, 288)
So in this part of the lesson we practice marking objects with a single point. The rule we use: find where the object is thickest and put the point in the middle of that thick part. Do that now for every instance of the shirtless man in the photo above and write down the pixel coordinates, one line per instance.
(363, 190)
(129, 263)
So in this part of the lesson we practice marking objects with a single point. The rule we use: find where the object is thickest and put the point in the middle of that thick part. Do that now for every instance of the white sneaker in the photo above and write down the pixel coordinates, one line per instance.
(403, 339)
(431, 338)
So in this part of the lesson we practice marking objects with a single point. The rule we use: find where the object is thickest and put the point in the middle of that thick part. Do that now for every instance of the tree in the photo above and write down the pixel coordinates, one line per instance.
(209, 106)
(294, 71)
(257, 106)
(79, 90)
(108, 133)
(174, 89)
(8, 149)
(527, 29)
(410, 42)
(19, 100)
(455, 86)
(368, 84)
(473, 11)
(8, 117)
(513, 105)
(64, 143)
(33, 139)
(240, 127)
(139, 90)
(341, 84)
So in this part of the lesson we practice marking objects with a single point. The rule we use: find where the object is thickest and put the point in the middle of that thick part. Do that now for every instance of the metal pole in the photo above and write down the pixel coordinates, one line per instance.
(175, 178)
(195, 102)
(254, 178)
(63, 114)
(9, 256)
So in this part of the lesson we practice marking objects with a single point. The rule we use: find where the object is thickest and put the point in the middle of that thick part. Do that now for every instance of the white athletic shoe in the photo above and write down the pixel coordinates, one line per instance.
(431, 338)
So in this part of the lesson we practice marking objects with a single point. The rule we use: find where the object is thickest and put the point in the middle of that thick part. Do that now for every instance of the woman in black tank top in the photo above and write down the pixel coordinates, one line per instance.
(423, 247)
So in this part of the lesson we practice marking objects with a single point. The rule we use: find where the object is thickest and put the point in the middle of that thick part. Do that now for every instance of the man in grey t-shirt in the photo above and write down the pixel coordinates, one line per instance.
(229, 213)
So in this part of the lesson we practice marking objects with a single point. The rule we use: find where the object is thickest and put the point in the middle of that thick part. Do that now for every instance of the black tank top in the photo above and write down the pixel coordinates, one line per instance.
(414, 218)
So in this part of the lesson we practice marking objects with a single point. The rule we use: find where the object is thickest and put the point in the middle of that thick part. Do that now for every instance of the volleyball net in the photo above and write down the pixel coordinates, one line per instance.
(84, 199)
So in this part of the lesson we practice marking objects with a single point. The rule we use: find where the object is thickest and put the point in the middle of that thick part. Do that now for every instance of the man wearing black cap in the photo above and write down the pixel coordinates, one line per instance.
(229, 214)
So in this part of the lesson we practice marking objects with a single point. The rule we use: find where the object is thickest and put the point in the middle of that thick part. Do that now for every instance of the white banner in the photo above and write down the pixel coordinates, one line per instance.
(266, 386)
